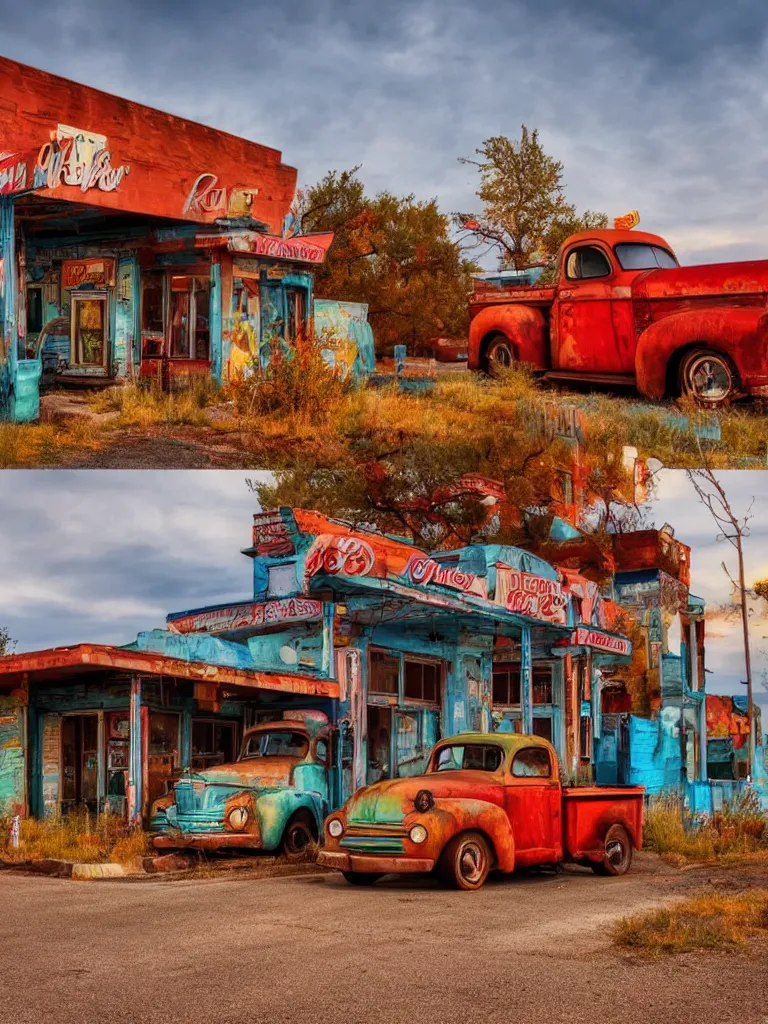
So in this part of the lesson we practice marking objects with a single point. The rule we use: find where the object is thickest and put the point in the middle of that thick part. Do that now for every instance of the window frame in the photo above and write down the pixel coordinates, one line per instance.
(198, 281)
(647, 245)
(399, 697)
(576, 250)
(535, 778)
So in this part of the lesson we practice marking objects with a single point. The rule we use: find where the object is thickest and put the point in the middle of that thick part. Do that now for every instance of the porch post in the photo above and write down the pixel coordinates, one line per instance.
(8, 298)
(135, 773)
(526, 681)
(329, 662)
(215, 322)
(703, 767)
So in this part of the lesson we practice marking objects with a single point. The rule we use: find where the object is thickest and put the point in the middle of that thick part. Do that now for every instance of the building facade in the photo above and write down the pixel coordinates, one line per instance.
(395, 646)
(136, 244)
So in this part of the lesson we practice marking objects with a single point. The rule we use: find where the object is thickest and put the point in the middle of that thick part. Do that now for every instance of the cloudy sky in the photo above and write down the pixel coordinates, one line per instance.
(97, 556)
(660, 105)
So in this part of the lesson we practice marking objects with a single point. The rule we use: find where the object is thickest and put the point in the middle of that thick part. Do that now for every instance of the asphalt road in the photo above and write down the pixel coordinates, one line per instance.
(523, 950)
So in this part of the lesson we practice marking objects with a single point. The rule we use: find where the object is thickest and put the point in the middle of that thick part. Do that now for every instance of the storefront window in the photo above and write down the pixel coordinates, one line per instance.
(506, 685)
(212, 743)
(543, 727)
(422, 681)
(34, 310)
(542, 684)
(294, 298)
(384, 673)
(152, 319)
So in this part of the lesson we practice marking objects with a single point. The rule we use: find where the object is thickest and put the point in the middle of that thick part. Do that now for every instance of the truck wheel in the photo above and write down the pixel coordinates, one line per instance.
(465, 862)
(298, 836)
(707, 377)
(617, 857)
(361, 877)
(499, 355)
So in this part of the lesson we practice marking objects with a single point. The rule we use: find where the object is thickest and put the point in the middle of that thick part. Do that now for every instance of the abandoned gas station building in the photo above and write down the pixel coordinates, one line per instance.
(395, 646)
(134, 243)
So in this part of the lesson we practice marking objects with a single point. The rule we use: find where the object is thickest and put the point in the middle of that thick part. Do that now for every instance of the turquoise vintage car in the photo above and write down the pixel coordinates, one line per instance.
(274, 797)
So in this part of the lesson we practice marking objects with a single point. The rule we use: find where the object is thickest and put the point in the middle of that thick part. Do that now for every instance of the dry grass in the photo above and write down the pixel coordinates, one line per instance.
(709, 921)
(300, 402)
(739, 831)
(79, 837)
(144, 406)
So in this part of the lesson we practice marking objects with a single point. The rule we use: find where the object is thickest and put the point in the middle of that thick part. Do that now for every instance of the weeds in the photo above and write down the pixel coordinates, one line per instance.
(740, 829)
(80, 837)
(145, 406)
(709, 921)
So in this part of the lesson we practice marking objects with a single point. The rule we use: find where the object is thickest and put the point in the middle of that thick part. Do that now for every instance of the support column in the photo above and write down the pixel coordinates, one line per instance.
(218, 364)
(329, 662)
(135, 773)
(526, 681)
(703, 772)
(8, 297)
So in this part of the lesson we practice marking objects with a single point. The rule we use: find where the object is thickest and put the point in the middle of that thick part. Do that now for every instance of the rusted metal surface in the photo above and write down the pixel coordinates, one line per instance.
(524, 817)
(638, 325)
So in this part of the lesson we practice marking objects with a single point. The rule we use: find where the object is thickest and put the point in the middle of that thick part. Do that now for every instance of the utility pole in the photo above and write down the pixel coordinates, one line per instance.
(733, 529)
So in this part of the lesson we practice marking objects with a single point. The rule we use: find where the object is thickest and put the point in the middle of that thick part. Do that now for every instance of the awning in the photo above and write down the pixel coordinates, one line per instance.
(61, 662)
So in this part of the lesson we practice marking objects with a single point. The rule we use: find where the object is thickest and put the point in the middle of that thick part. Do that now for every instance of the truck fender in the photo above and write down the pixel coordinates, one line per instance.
(736, 332)
(275, 809)
(451, 817)
(523, 326)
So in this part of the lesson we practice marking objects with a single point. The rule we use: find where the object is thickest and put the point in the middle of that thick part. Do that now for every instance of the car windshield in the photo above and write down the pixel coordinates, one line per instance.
(639, 256)
(280, 743)
(484, 757)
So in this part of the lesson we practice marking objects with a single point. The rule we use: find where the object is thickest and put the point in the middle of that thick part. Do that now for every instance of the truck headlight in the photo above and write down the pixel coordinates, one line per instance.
(237, 819)
(418, 834)
(335, 828)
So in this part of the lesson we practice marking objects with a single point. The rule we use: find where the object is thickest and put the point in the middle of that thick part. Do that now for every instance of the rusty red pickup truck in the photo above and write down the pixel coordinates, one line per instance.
(624, 311)
(486, 802)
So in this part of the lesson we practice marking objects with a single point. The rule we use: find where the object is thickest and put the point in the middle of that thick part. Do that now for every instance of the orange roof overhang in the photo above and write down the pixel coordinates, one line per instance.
(57, 663)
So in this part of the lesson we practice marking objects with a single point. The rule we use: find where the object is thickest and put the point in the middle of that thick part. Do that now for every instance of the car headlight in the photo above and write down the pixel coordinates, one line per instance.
(237, 819)
(335, 828)
(418, 834)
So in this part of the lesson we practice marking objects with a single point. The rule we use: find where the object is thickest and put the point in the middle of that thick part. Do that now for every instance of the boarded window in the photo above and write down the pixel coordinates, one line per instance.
(384, 673)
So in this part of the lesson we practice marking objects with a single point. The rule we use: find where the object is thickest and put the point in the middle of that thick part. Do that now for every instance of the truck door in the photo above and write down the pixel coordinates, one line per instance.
(592, 325)
(533, 805)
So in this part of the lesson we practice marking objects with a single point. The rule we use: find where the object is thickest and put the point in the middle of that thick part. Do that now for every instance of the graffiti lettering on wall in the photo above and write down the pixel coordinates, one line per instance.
(725, 719)
(347, 556)
(583, 637)
(78, 158)
(71, 157)
(534, 596)
(13, 175)
(206, 196)
(11, 758)
(243, 616)
(270, 535)
(426, 570)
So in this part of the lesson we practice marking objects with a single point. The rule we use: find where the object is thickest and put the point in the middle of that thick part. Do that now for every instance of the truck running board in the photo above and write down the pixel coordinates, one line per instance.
(624, 379)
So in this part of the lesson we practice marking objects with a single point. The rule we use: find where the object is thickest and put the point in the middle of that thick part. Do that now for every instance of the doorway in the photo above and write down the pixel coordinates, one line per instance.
(80, 762)
(89, 331)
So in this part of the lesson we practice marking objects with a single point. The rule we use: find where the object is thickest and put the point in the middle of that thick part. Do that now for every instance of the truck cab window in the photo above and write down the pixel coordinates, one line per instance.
(532, 762)
(586, 262)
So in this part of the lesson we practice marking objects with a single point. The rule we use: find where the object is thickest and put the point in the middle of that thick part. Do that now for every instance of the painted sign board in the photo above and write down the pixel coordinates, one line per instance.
(248, 615)
(98, 272)
(271, 535)
(583, 636)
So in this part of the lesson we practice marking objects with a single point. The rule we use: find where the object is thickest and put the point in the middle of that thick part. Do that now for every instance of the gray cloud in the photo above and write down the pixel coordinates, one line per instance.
(647, 104)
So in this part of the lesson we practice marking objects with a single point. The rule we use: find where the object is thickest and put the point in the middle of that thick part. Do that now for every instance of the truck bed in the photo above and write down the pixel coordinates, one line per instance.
(588, 813)
(528, 295)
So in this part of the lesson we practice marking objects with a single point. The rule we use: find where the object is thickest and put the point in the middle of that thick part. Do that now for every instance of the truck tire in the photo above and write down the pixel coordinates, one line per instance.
(707, 377)
(300, 833)
(361, 877)
(617, 858)
(465, 861)
(499, 354)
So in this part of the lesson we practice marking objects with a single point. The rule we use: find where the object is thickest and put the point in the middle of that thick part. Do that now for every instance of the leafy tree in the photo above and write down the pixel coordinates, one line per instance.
(7, 645)
(392, 252)
(526, 216)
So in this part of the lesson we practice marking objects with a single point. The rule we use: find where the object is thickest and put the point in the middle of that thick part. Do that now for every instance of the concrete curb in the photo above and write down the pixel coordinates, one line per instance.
(70, 869)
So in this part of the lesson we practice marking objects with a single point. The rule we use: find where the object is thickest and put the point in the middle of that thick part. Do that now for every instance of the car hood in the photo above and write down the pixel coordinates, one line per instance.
(728, 282)
(390, 800)
(254, 772)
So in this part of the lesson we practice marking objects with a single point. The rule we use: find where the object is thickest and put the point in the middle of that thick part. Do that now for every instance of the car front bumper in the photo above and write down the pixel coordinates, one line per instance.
(373, 863)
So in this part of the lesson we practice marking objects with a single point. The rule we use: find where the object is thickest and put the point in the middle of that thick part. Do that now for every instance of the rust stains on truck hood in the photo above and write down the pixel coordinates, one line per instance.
(729, 283)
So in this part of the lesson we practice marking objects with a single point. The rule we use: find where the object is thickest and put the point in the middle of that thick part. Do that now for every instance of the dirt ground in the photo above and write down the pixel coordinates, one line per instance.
(531, 948)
